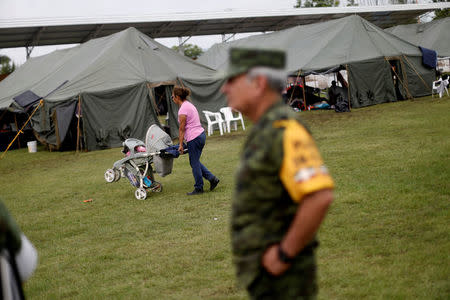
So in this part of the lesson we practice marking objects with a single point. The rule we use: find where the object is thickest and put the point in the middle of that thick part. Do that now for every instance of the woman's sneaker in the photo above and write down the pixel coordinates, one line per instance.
(214, 183)
(195, 192)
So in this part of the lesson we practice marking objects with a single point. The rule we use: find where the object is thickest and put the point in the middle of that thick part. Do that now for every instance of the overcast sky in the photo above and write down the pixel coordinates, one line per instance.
(23, 9)
(18, 9)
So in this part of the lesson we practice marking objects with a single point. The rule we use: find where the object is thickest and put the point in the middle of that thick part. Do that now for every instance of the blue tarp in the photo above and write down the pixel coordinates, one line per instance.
(429, 57)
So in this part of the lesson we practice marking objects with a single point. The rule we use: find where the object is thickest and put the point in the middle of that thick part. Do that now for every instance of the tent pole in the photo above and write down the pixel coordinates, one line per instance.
(17, 126)
(78, 123)
(180, 81)
(426, 85)
(398, 77)
(348, 87)
(41, 103)
(152, 98)
(293, 89)
(405, 77)
(304, 87)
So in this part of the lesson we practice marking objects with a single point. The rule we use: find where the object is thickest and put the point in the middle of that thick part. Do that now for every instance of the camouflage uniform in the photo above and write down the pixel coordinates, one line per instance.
(280, 165)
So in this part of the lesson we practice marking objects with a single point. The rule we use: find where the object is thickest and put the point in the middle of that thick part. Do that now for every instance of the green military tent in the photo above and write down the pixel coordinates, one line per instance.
(352, 43)
(105, 90)
(432, 35)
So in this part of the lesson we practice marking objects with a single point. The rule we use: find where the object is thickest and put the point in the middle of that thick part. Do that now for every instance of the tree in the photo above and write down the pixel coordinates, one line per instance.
(352, 3)
(441, 13)
(6, 65)
(316, 3)
(190, 50)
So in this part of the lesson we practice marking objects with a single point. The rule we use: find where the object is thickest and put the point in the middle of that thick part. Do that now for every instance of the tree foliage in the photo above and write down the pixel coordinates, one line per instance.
(190, 50)
(6, 65)
(441, 13)
(316, 3)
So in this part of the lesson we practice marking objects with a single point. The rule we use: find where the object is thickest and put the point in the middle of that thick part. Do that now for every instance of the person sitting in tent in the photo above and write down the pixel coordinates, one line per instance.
(336, 93)
(333, 93)
(338, 96)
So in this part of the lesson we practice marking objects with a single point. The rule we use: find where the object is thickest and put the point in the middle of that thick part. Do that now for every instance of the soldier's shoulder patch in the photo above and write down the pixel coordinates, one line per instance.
(302, 171)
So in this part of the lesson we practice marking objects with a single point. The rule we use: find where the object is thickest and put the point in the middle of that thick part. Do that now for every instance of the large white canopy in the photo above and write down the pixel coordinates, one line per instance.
(69, 30)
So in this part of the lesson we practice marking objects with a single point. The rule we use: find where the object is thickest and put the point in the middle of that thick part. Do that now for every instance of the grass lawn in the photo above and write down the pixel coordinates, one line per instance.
(386, 235)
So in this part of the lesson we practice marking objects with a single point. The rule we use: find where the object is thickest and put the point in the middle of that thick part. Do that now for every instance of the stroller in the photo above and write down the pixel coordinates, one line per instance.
(136, 166)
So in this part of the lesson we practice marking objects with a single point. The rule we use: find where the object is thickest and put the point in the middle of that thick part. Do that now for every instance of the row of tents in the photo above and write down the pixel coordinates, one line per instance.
(370, 55)
(105, 90)
(101, 92)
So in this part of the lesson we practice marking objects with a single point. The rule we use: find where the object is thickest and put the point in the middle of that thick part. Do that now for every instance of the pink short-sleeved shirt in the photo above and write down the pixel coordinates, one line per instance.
(193, 126)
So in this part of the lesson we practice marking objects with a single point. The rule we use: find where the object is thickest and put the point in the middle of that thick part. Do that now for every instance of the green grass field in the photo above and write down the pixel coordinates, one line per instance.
(386, 235)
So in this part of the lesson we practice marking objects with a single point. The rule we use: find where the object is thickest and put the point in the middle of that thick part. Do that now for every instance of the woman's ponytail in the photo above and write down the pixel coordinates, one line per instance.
(181, 92)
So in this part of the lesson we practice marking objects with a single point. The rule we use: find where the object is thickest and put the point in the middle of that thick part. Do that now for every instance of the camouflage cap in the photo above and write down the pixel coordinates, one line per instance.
(243, 59)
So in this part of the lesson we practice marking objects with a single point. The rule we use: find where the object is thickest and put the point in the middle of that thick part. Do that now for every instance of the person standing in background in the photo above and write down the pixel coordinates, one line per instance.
(192, 131)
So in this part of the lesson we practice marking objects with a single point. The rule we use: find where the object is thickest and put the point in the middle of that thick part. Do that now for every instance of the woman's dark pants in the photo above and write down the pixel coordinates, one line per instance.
(195, 148)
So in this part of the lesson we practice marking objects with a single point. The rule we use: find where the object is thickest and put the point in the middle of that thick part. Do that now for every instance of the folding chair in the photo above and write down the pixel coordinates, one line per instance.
(438, 87)
(230, 117)
(214, 119)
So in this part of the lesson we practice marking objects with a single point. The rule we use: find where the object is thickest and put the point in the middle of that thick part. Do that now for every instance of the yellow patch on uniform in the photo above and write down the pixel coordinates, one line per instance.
(302, 170)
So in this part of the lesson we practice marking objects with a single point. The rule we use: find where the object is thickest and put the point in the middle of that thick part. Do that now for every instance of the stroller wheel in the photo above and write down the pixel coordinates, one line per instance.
(116, 175)
(111, 175)
(156, 187)
(140, 194)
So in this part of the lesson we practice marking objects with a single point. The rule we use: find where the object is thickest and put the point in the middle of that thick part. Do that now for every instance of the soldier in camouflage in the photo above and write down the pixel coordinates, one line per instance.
(283, 189)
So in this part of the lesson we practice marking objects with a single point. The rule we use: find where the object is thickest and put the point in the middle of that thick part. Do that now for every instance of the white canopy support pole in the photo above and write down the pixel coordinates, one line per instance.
(34, 41)
(181, 44)
(226, 39)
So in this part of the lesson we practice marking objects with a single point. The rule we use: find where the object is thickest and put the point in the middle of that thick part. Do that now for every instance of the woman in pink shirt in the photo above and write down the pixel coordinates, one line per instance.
(193, 133)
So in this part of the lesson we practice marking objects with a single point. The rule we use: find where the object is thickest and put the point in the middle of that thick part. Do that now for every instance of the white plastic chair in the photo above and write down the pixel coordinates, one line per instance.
(214, 118)
(230, 117)
(438, 87)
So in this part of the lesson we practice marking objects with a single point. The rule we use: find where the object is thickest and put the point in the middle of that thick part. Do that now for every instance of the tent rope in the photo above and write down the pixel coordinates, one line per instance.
(21, 129)
(426, 85)
(398, 77)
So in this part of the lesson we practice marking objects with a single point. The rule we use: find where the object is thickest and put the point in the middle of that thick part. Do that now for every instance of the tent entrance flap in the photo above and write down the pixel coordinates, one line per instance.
(161, 97)
(110, 117)
(396, 70)
(64, 116)
(370, 83)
